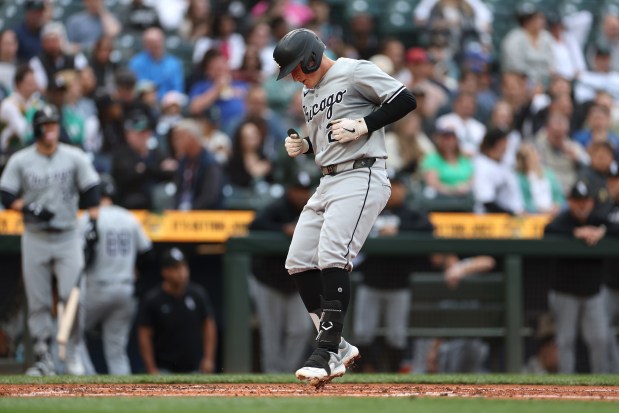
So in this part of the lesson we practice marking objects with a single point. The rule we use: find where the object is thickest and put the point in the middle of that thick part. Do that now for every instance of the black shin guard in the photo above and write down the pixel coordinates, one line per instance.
(331, 325)
(309, 284)
(336, 286)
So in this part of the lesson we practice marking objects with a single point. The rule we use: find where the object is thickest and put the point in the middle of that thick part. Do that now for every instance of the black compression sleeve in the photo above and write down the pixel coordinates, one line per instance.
(7, 198)
(496, 208)
(394, 109)
(91, 197)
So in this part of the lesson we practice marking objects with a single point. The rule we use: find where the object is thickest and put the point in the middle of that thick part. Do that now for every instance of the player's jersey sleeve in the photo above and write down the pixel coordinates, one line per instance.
(142, 242)
(86, 174)
(374, 84)
(11, 176)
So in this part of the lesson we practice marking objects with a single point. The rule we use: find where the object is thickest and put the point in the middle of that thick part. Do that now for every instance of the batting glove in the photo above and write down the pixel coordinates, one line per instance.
(346, 130)
(295, 145)
(91, 237)
(36, 212)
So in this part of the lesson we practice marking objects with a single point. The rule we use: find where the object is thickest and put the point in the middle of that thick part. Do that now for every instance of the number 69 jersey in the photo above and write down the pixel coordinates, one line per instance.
(350, 89)
(121, 238)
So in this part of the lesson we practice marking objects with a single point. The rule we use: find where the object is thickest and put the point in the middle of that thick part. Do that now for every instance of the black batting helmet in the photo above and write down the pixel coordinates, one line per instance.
(47, 114)
(298, 46)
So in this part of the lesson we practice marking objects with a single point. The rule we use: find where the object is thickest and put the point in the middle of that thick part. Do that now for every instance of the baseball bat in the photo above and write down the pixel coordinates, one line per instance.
(293, 132)
(68, 318)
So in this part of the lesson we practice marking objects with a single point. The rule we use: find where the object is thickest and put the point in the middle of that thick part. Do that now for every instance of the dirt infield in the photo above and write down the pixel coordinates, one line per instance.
(302, 390)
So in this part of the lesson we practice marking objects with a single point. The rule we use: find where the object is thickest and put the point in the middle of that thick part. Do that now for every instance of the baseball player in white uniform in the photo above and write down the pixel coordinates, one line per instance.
(45, 182)
(346, 104)
(110, 279)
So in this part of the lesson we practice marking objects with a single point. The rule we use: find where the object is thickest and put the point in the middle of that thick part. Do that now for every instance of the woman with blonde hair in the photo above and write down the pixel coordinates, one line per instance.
(541, 192)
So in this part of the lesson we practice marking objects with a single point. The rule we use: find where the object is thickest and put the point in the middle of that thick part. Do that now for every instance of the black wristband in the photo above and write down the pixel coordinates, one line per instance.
(310, 148)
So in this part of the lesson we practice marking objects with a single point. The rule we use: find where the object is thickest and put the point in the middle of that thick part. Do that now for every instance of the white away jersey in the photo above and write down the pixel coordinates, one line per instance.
(350, 89)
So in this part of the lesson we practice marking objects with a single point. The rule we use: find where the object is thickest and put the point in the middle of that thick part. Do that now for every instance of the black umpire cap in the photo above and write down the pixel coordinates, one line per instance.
(172, 258)
(580, 190)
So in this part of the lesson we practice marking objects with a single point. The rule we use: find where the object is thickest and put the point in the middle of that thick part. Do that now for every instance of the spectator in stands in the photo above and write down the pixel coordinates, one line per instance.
(8, 60)
(176, 325)
(136, 168)
(138, 17)
(568, 56)
(157, 65)
(528, 48)
(598, 129)
(421, 67)
(596, 174)
(214, 140)
(601, 76)
(248, 164)
(225, 39)
(218, 89)
(611, 277)
(447, 171)
(463, 21)
(284, 326)
(86, 27)
(394, 49)
(104, 68)
(197, 21)
(82, 106)
(72, 125)
(515, 90)
(29, 30)
(172, 109)
(556, 98)
(250, 70)
(407, 144)
(541, 191)
(256, 107)
(199, 178)
(385, 288)
(111, 119)
(575, 299)
(362, 35)
(126, 83)
(558, 152)
(259, 37)
(53, 57)
(502, 117)
(146, 95)
(13, 122)
(470, 131)
(297, 14)
(609, 37)
(495, 186)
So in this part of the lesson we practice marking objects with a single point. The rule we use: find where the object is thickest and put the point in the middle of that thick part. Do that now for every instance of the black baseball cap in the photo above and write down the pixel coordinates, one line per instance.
(34, 4)
(137, 121)
(580, 190)
(172, 258)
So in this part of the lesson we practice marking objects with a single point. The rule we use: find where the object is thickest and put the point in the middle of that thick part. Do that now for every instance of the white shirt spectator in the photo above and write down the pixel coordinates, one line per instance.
(236, 45)
(483, 15)
(568, 56)
(589, 83)
(12, 115)
(495, 182)
(470, 132)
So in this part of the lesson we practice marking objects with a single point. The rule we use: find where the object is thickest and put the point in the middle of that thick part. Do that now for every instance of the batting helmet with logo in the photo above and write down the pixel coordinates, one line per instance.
(47, 114)
(298, 46)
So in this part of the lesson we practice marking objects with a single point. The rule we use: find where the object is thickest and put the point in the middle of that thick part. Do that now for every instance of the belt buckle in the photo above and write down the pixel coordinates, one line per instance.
(329, 169)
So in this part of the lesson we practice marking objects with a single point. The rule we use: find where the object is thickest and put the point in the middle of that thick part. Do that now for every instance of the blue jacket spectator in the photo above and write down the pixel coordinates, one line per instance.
(154, 64)
(29, 30)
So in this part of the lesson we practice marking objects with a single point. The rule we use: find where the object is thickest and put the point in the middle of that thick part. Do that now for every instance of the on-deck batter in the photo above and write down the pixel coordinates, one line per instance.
(346, 103)
(45, 182)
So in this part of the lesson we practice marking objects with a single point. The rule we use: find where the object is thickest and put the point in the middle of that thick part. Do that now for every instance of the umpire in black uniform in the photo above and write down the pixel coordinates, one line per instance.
(575, 297)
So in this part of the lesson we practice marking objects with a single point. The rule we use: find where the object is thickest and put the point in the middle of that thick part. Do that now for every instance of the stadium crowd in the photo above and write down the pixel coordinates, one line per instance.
(176, 100)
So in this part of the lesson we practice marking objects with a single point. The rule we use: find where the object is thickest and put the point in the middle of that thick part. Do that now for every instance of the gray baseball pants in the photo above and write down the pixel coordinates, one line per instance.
(43, 255)
(587, 314)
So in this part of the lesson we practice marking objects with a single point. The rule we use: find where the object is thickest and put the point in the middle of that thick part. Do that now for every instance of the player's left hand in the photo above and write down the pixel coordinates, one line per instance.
(346, 130)
(91, 237)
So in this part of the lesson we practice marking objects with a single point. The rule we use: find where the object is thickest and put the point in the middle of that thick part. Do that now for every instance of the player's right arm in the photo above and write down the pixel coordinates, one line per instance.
(10, 185)
(296, 145)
